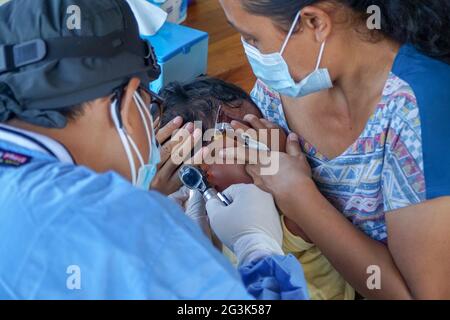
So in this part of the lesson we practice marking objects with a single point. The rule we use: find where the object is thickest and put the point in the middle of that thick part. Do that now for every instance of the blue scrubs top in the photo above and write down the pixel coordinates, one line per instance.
(67, 232)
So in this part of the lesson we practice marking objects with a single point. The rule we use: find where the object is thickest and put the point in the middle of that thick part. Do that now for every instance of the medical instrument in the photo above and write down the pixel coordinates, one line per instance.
(222, 128)
(251, 143)
(244, 138)
(195, 179)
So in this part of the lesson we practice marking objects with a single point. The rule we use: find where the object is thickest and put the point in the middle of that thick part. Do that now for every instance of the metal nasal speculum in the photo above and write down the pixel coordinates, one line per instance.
(246, 139)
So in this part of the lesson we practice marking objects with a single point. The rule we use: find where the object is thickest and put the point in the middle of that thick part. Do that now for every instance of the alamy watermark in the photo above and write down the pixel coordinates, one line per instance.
(73, 21)
(374, 279)
(229, 147)
(374, 21)
(73, 281)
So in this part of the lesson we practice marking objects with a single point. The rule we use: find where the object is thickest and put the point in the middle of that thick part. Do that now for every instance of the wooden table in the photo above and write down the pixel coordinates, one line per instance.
(226, 56)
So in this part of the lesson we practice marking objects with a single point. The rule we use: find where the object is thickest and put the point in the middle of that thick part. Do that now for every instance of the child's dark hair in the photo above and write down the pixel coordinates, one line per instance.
(200, 100)
(425, 24)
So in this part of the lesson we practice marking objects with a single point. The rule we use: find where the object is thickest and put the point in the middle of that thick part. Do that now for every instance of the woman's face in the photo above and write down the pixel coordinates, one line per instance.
(265, 34)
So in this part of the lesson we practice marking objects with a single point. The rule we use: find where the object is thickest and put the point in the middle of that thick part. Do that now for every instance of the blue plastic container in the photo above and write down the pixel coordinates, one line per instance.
(182, 53)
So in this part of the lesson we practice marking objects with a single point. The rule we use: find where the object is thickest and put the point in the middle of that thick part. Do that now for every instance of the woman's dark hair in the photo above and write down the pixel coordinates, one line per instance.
(199, 100)
(425, 24)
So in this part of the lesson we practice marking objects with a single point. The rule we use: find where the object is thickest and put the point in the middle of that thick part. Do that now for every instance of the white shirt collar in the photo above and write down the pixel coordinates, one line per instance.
(36, 142)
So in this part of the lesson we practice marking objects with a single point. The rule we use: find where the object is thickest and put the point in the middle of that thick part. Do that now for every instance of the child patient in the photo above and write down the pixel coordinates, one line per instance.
(212, 101)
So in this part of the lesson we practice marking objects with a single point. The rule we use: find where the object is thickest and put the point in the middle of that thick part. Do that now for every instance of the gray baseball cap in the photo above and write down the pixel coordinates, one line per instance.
(48, 64)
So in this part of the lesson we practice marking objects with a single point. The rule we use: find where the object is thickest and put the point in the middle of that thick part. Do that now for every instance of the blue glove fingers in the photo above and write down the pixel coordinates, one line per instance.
(275, 278)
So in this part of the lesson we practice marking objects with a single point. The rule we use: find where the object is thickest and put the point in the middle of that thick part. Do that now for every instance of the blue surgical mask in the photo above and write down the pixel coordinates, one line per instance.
(144, 176)
(273, 70)
(147, 172)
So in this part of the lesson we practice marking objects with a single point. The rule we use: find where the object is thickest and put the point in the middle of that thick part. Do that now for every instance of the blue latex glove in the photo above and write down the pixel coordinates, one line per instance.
(275, 278)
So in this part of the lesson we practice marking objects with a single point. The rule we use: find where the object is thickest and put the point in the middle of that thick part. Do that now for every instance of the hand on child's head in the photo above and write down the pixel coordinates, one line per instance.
(266, 132)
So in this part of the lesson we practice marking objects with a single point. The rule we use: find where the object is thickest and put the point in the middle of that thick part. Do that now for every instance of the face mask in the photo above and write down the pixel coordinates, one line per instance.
(147, 172)
(273, 70)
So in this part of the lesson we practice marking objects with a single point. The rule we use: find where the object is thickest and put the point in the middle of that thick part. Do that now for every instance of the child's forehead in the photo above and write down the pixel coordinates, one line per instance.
(209, 101)
(237, 112)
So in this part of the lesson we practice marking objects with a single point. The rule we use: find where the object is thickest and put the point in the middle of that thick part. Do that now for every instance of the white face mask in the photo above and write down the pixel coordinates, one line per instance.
(147, 171)
(273, 70)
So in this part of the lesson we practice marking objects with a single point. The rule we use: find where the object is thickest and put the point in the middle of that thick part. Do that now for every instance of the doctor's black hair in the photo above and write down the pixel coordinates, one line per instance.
(425, 24)
(72, 113)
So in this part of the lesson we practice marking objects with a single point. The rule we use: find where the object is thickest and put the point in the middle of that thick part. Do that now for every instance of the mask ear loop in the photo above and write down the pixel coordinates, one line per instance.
(322, 49)
(140, 106)
(152, 130)
(149, 115)
(291, 31)
(154, 155)
(133, 144)
(123, 138)
(136, 150)
(151, 140)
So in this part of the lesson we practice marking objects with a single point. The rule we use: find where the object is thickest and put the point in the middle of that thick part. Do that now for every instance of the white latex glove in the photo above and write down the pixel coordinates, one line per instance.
(250, 226)
(194, 206)
(181, 196)
(196, 210)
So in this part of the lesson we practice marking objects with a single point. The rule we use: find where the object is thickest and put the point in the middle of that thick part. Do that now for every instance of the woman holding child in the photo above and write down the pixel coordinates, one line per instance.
(366, 174)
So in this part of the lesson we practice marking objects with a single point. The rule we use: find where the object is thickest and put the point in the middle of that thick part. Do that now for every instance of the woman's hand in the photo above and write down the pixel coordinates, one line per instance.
(172, 140)
(284, 171)
(264, 131)
(290, 172)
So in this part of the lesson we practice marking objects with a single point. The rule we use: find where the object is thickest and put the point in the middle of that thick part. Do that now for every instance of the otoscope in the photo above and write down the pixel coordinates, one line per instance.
(195, 179)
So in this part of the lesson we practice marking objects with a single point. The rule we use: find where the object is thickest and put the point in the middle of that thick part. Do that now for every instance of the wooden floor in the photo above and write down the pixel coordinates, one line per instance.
(226, 55)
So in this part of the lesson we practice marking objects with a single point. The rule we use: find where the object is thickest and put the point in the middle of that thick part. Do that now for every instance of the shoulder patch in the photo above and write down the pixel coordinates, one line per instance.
(13, 159)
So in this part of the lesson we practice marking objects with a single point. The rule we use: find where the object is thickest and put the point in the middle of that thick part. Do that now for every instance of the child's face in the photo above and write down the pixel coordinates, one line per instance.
(222, 176)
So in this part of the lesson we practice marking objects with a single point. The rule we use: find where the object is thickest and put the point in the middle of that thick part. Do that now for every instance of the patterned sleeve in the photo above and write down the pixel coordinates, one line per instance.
(403, 178)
